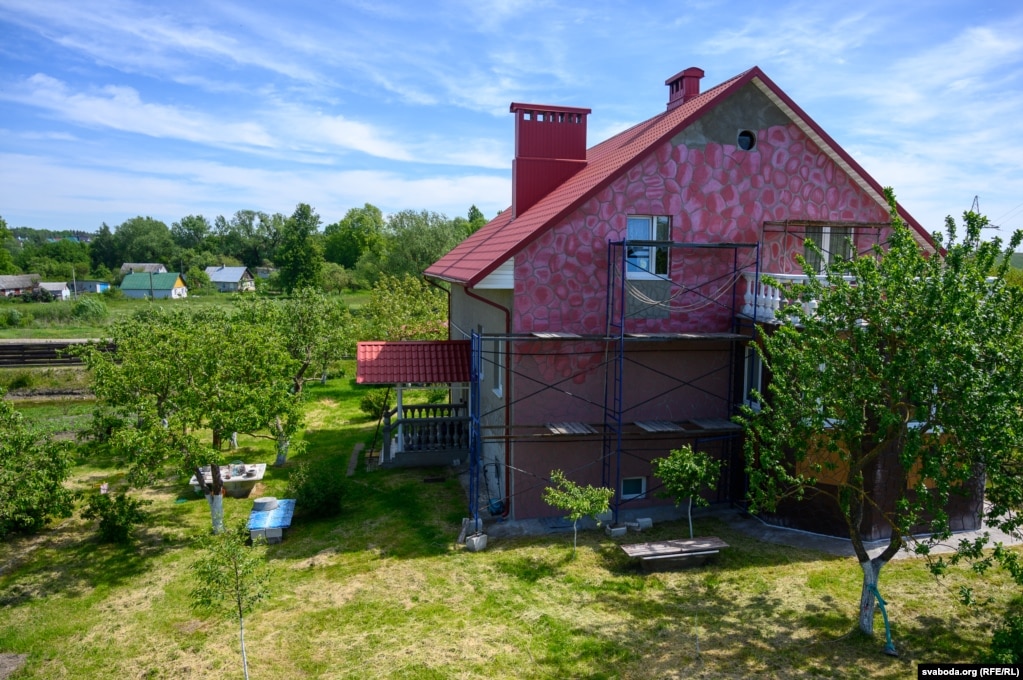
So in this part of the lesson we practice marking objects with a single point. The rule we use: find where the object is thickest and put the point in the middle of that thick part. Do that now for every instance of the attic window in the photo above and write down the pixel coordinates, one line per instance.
(746, 140)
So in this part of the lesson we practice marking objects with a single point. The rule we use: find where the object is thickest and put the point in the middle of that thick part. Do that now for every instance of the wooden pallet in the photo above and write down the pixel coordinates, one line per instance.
(682, 552)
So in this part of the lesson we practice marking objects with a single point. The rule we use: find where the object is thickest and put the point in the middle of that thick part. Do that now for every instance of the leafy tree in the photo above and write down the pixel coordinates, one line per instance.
(405, 308)
(231, 578)
(336, 279)
(143, 239)
(315, 330)
(895, 376)
(32, 475)
(578, 501)
(251, 237)
(55, 260)
(197, 279)
(7, 265)
(412, 242)
(174, 375)
(470, 226)
(103, 250)
(192, 232)
(360, 231)
(685, 473)
(299, 255)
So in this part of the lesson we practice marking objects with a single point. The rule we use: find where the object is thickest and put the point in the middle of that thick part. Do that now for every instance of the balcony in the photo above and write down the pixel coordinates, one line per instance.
(425, 435)
(761, 301)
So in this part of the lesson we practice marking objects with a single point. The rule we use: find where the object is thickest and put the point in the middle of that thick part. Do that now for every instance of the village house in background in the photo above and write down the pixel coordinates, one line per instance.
(58, 289)
(231, 279)
(16, 284)
(166, 285)
(90, 286)
(611, 308)
(142, 267)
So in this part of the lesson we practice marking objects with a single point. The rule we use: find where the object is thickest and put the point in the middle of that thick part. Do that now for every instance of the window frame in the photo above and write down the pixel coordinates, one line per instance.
(633, 497)
(835, 243)
(498, 367)
(638, 258)
(752, 377)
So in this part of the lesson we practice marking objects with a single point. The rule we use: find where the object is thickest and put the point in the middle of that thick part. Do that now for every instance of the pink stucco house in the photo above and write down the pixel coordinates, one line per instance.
(612, 304)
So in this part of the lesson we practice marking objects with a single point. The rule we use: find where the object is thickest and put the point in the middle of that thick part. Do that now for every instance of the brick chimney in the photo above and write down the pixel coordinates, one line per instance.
(550, 147)
(683, 86)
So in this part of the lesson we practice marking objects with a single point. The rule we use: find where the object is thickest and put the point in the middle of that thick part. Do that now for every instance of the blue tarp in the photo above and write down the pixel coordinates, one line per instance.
(278, 518)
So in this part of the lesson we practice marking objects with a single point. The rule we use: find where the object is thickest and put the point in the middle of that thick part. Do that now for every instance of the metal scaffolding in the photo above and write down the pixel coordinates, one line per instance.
(618, 349)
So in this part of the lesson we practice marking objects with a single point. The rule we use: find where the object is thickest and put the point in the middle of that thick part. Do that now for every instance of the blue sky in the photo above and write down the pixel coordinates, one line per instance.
(114, 108)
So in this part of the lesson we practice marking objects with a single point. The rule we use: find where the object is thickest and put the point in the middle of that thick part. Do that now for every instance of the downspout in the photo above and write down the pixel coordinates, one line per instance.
(507, 410)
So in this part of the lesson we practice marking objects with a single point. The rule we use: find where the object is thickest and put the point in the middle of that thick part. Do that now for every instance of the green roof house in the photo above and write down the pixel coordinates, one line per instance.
(143, 285)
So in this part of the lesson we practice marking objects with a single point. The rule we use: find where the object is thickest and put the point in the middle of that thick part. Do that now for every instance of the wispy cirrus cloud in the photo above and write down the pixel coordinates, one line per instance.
(121, 108)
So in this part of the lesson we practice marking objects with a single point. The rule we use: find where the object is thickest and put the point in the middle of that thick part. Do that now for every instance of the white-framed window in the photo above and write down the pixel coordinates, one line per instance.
(752, 378)
(647, 261)
(835, 244)
(633, 488)
(496, 359)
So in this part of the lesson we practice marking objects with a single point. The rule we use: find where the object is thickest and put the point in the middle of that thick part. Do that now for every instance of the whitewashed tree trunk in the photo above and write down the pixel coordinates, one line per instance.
(690, 517)
(241, 634)
(216, 503)
(283, 444)
(868, 603)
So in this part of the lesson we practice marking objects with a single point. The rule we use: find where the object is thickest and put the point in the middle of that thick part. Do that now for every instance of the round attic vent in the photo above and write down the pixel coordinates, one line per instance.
(746, 140)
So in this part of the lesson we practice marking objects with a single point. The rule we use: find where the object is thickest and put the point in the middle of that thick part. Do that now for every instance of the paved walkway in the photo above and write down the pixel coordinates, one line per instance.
(736, 519)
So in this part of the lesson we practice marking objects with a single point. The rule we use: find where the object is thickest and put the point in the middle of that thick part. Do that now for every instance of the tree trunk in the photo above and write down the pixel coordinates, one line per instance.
(868, 602)
(283, 444)
(241, 634)
(216, 503)
(690, 517)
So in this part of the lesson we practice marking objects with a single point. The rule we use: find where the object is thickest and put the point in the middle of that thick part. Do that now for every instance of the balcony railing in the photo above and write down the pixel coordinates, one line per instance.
(425, 428)
(761, 301)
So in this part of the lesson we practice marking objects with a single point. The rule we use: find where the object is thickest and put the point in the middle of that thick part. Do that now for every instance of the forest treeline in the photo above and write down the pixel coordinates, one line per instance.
(352, 253)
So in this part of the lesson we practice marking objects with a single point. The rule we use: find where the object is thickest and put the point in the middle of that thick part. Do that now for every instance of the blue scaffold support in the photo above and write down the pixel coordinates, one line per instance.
(476, 343)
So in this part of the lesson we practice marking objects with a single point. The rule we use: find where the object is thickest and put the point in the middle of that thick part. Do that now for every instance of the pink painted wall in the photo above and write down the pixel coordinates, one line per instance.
(717, 193)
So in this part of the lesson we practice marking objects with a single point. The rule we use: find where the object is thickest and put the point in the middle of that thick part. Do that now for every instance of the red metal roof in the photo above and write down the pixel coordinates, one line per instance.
(483, 252)
(423, 362)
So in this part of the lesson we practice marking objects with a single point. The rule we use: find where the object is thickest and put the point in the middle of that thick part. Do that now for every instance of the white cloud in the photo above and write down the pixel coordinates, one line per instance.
(121, 108)
(83, 196)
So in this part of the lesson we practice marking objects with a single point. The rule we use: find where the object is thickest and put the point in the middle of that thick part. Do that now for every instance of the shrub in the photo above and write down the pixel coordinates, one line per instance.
(375, 402)
(21, 380)
(10, 318)
(118, 514)
(90, 309)
(1007, 641)
(317, 490)
(37, 295)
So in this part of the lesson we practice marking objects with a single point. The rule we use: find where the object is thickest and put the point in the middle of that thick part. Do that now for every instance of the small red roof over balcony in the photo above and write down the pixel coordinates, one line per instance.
(420, 362)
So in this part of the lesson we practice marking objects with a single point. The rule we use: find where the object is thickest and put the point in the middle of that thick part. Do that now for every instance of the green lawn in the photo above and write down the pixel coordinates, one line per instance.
(51, 320)
(383, 591)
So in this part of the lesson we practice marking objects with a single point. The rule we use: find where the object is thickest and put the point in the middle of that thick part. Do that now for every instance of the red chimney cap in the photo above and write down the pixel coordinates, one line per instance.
(683, 86)
(547, 108)
(691, 72)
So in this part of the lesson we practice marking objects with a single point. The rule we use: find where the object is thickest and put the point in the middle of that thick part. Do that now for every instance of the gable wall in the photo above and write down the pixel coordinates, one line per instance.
(714, 192)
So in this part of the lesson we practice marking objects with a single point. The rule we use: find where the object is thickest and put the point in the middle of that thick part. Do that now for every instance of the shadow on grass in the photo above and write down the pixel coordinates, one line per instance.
(531, 568)
(403, 513)
(77, 566)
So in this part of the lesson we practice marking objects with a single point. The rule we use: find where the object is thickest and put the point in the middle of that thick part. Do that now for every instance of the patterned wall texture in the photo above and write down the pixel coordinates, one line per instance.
(714, 193)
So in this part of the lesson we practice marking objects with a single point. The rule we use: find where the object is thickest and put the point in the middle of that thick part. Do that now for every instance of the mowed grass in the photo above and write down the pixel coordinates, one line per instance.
(383, 591)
